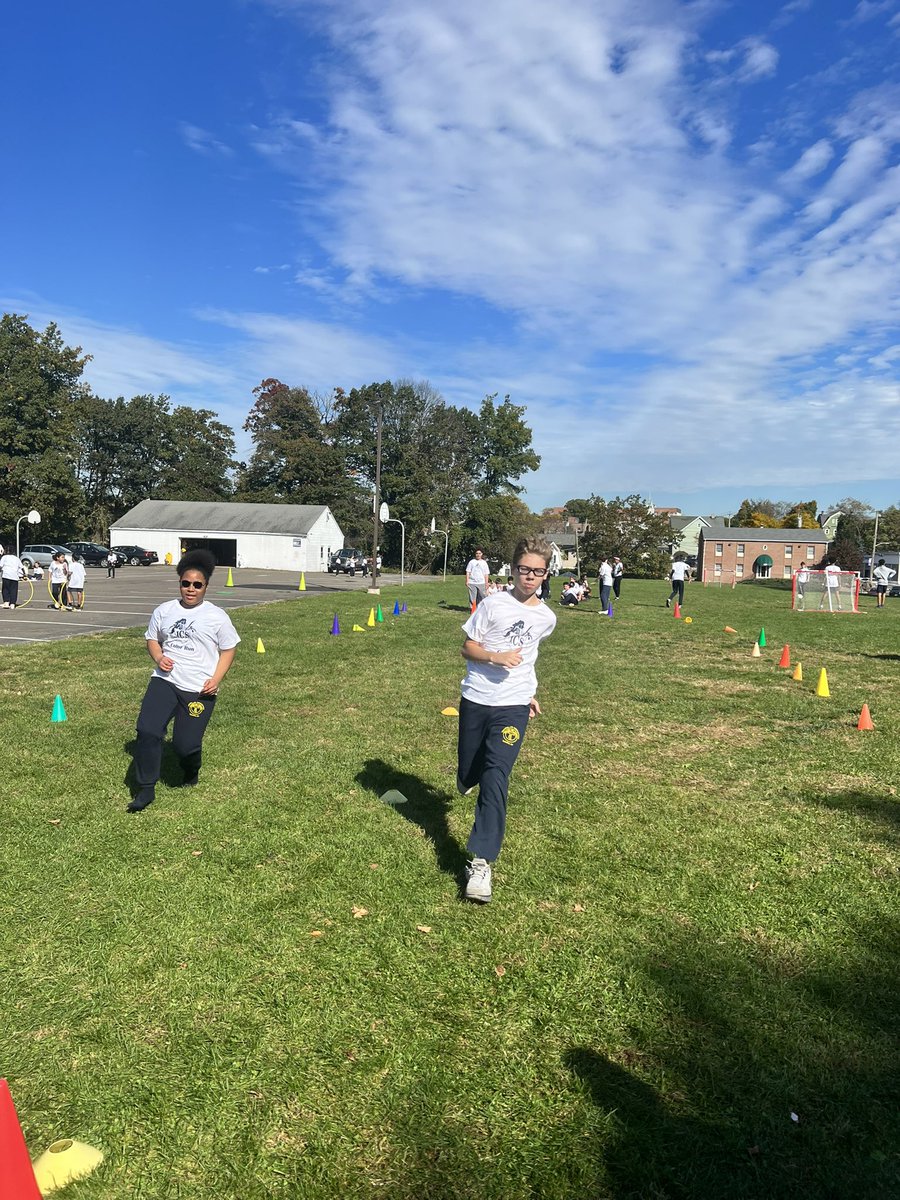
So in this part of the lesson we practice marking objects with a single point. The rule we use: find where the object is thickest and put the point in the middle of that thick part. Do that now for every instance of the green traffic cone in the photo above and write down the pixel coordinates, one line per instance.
(59, 712)
(379, 616)
(762, 639)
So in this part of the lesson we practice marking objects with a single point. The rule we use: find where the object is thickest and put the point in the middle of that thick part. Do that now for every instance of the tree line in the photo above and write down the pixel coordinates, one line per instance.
(83, 460)
(854, 533)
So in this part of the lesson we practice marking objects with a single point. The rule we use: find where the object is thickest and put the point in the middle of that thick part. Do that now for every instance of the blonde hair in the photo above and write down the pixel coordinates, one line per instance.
(532, 545)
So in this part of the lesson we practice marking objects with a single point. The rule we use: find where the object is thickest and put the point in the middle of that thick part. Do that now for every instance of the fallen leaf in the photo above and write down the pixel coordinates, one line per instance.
(56, 822)
(578, 908)
(499, 972)
(359, 912)
(373, 866)
(196, 853)
(316, 933)
(424, 928)
(753, 886)
(182, 966)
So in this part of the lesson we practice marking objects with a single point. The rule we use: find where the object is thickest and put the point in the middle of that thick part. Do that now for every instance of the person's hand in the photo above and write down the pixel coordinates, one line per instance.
(534, 709)
(210, 687)
(165, 663)
(507, 658)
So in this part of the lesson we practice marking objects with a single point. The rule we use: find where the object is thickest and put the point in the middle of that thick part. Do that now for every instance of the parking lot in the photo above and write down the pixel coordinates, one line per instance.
(128, 600)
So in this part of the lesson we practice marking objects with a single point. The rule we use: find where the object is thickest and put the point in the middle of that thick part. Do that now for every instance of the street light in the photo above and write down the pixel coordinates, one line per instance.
(33, 518)
(446, 534)
(386, 517)
(874, 544)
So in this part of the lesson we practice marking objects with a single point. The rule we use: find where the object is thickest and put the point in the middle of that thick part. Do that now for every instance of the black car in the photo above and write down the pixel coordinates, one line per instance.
(91, 553)
(137, 556)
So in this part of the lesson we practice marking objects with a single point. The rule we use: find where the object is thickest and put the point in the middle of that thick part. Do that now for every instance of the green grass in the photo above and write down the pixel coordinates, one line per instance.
(694, 932)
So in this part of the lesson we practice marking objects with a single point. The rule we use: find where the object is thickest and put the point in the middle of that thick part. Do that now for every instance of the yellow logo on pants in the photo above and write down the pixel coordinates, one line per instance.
(195, 708)
(510, 735)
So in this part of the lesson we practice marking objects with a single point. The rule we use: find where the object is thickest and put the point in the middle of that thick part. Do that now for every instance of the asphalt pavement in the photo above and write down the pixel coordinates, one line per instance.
(128, 600)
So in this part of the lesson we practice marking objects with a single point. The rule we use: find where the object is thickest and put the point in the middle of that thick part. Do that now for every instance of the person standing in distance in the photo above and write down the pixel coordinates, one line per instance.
(192, 643)
(679, 573)
(477, 572)
(802, 580)
(605, 582)
(112, 561)
(882, 574)
(498, 700)
(75, 590)
(618, 571)
(59, 574)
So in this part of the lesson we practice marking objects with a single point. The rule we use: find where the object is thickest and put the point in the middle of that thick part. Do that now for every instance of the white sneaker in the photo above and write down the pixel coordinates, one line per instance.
(462, 789)
(478, 881)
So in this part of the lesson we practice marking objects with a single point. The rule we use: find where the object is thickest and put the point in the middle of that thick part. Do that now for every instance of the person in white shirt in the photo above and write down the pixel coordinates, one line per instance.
(802, 579)
(618, 572)
(11, 571)
(75, 590)
(681, 571)
(571, 593)
(832, 592)
(477, 572)
(606, 582)
(882, 573)
(498, 700)
(192, 643)
(59, 575)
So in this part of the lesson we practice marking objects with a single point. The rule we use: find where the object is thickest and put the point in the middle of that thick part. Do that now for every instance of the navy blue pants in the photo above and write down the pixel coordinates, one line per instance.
(161, 703)
(489, 743)
(677, 590)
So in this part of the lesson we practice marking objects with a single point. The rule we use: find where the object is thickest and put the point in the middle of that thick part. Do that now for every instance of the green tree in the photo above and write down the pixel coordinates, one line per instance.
(630, 529)
(40, 382)
(201, 461)
(495, 523)
(505, 441)
(888, 530)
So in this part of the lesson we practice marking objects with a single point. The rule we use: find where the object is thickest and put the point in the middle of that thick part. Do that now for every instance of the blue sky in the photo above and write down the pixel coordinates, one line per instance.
(670, 230)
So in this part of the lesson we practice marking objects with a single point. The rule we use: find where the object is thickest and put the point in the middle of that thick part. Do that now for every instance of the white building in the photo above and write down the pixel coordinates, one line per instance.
(284, 537)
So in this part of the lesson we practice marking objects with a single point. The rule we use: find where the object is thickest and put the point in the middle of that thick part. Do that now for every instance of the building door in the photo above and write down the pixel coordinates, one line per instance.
(224, 550)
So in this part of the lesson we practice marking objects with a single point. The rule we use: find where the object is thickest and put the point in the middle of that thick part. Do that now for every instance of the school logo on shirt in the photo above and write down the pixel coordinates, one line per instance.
(510, 735)
(195, 708)
(517, 634)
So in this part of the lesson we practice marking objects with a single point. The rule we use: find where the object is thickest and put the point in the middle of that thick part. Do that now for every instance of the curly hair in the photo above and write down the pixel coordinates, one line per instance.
(532, 545)
(197, 560)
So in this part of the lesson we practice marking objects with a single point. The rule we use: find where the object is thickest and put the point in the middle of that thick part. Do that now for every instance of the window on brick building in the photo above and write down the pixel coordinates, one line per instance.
(739, 571)
(810, 553)
(787, 571)
(740, 549)
(718, 547)
(789, 552)
(717, 570)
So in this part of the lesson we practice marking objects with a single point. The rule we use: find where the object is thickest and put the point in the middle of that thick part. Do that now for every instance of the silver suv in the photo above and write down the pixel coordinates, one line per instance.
(43, 554)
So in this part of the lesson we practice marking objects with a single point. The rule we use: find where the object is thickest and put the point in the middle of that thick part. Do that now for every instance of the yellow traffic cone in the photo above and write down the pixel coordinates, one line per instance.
(371, 620)
(822, 685)
(260, 648)
(358, 629)
(302, 585)
(229, 582)
(798, 673)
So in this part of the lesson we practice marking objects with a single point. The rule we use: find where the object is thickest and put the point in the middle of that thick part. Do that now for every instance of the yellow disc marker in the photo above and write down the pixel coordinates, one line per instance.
(449, 712)
(64, 1161)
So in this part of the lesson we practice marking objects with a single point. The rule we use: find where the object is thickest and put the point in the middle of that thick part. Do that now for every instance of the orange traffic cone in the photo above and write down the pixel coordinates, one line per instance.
(865, 719)
(677, 611)
(798, 673)
(17, 1180)
(728, 629)
(472, 606)
(785, 660)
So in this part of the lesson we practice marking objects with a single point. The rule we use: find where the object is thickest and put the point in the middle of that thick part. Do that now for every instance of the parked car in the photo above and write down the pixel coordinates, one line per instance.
(91, 553)
(137, 556)
(43, 554)
(349, 560)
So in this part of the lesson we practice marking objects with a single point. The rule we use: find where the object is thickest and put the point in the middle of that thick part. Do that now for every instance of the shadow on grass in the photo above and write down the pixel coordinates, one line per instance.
(170, 774)
(878, 808)
(425, 807)
(883, 657)
(772, 1075)
(463, 608)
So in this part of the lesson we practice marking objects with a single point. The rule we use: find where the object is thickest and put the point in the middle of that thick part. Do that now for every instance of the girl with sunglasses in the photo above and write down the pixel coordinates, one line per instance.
(498, 700)
(192, 643)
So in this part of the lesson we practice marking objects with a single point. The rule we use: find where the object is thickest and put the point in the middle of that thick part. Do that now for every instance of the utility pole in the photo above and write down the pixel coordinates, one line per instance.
(377, 497)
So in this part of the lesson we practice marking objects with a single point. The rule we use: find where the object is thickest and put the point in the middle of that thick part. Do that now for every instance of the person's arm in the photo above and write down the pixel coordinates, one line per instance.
(161, 660)
(497, 658)
(211, 685)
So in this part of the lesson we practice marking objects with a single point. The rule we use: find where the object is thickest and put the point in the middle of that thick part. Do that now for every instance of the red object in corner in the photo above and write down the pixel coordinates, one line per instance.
(17, 1180)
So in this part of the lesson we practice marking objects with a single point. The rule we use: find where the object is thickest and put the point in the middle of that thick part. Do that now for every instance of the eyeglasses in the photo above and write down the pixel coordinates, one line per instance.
(192, 583)
(537, 572)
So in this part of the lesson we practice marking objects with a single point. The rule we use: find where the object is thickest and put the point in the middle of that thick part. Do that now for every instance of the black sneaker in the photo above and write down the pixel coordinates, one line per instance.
(142, 800)
(668, 604)
(190, 781)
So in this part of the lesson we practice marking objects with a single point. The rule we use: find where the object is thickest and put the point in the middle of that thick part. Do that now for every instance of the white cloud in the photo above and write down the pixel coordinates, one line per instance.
(202, 141)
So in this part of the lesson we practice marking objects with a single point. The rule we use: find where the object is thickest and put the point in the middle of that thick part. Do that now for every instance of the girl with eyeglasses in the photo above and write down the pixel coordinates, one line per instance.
(192, 643)
(498, 700)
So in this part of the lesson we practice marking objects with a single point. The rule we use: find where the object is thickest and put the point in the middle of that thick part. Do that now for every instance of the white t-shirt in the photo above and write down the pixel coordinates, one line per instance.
(618, 570)
(192, 638)
(59, 571)
(11, 567)
(882, 574)
(477, 572)
(606, 574)
(833, 575)
(803, 575)
(76, 576)
(501, 622)
(680, 571)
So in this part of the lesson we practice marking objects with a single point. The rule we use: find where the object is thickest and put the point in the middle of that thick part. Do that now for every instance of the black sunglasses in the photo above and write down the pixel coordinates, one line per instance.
(192, 583)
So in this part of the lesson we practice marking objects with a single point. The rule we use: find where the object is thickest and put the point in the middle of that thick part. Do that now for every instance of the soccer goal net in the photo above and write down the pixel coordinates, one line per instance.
(825, 591)
(716, 577)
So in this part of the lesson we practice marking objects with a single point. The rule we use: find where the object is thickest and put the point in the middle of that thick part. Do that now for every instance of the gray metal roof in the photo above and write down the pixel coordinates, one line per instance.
(683, 522)
(221, 517)
(734, 533)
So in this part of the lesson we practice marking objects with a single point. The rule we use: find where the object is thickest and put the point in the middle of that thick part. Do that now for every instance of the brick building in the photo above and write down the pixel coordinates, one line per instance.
(727, 553)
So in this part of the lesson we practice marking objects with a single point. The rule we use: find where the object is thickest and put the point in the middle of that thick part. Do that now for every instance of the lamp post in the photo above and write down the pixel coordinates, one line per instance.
(874, 544)
(446, 534)
(33, 518)
(389, 520)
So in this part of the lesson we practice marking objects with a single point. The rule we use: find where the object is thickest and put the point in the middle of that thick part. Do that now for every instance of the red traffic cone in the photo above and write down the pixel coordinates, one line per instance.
(17, 1180)
(677, 611)
(865, 719)
(785, 660)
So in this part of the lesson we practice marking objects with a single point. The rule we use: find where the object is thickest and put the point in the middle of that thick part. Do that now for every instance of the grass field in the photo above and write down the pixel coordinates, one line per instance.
(269, 987)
